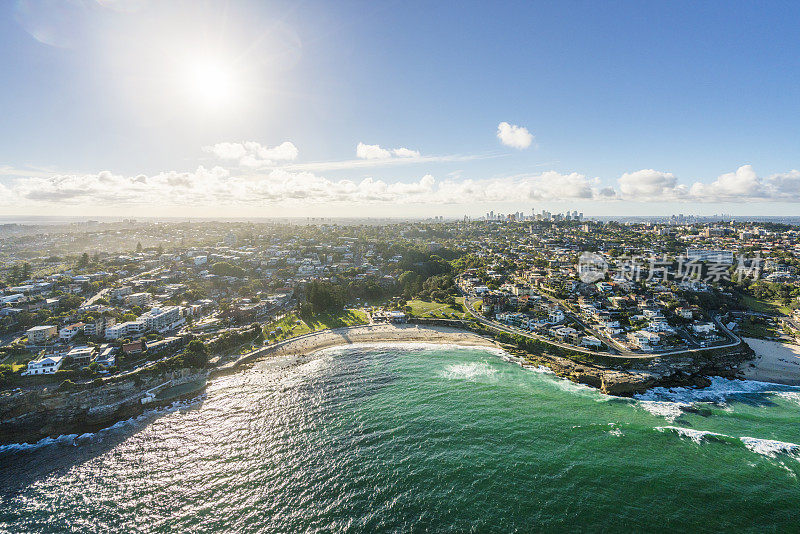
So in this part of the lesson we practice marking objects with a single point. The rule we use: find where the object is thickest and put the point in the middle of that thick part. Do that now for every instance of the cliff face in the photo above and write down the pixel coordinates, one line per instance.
(28, 416)
(689, 369)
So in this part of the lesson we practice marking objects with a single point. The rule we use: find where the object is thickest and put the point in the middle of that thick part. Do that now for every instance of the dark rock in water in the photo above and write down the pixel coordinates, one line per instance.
(690, 369)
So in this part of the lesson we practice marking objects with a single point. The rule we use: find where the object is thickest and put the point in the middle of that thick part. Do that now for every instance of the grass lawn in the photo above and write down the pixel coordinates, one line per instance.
(18, 361)
(765, 306)
(424, 308)
(292, 325)
(757, 330)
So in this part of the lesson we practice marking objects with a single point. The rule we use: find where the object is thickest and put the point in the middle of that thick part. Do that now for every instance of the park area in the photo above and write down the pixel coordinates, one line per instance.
(437, 310)
(292, 325)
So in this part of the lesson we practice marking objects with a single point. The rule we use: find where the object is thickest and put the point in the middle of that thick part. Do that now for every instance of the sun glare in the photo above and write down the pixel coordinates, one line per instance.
(211, 84)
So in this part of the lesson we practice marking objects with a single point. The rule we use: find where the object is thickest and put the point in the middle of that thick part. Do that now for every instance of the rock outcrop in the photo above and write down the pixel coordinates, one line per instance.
(636, 376)
(28, 416)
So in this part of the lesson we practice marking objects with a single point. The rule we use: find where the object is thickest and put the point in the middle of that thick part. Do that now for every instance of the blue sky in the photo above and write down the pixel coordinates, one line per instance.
(176, 108)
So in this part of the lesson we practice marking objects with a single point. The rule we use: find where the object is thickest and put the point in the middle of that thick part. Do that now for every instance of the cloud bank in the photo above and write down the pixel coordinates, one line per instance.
(742, 185)
(249, 173)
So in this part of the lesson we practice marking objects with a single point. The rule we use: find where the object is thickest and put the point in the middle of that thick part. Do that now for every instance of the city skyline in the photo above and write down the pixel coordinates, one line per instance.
(137, 108)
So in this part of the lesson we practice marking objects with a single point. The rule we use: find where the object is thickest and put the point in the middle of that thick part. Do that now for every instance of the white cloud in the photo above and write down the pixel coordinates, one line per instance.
(737, 186)
(742, 185)
(364, 151)
(240, 186)
(252, 154)
(217, 186)
(372, 152)
(649, 184)
(403, 152)
(227, 150)
(514, 136)
(785, 186)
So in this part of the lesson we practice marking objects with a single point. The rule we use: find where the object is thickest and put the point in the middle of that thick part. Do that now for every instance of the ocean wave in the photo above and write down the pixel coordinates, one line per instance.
(698, 436)
(74, 440)
(793, 396)
(765, 447)
(468, 371)
(718, 392)
(666, 409)
(771, 448)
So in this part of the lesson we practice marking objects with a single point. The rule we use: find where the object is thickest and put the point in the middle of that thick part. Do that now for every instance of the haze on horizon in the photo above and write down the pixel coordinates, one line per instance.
(262, 109)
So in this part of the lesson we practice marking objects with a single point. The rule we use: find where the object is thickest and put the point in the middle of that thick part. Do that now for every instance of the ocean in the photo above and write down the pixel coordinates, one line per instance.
(400, 438)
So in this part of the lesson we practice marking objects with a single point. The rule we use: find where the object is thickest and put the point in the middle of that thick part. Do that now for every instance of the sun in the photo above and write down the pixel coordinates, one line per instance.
(211, 83)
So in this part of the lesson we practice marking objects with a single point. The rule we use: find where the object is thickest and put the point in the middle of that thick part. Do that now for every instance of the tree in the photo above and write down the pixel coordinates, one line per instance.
(84, 261)
(223, 268)
(324, 296)
(196, 354)
(139, 247)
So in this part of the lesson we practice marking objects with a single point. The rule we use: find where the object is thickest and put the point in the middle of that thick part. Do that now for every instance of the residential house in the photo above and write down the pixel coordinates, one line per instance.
(47, 365)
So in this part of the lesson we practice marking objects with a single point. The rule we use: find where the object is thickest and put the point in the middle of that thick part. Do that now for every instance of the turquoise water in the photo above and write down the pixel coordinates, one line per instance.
(420, 438)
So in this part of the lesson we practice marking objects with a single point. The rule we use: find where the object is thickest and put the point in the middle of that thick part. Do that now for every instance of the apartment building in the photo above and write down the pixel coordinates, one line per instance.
(41, 334)
(138, 299)
(121, 330)
(161, 318)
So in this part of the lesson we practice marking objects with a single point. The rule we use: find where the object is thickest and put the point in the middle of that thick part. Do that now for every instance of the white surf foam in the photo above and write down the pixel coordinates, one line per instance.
(718, 392)
(793, 396)
(668, 410)
(698, 436)
(771, 448)
(468, 371)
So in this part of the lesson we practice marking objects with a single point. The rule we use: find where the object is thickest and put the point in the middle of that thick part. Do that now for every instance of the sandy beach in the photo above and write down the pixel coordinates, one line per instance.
(377, 333)
(775, 362)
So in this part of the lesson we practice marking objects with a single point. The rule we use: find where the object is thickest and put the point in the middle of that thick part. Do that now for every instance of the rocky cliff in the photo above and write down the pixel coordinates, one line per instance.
(28, 416)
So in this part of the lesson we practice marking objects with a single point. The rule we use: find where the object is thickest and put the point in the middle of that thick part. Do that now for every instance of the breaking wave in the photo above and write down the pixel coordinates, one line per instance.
(468, 371)
(765, 447)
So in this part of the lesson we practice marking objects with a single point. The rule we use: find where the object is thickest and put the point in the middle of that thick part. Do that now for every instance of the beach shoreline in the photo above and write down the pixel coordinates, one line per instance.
(365, 334)
(774, 362)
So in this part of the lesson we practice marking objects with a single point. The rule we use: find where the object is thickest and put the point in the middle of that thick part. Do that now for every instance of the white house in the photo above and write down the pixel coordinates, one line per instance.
(704, 328)
(138, 299)
(46, 366)
(643, 339)
(591, 341)
(564, 333)
(555, 316)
